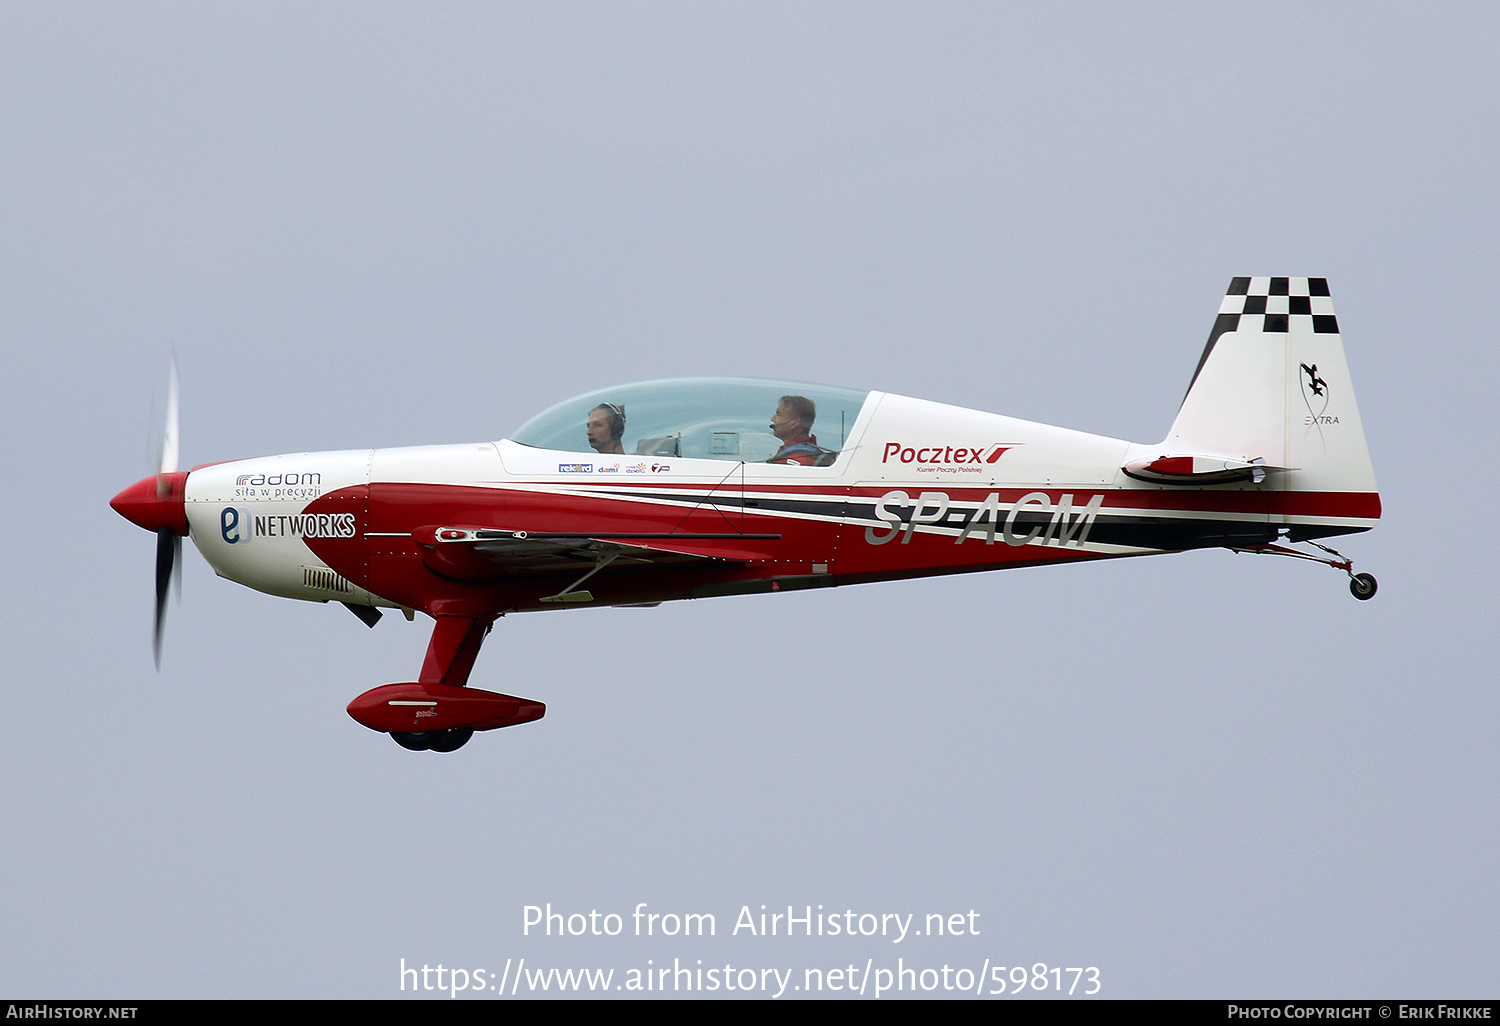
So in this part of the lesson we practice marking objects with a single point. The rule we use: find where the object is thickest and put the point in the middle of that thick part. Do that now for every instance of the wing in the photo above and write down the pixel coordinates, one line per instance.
(491, 554)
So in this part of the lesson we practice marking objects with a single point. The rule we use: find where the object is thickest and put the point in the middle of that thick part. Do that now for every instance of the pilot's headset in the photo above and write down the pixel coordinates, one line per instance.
(616, 421)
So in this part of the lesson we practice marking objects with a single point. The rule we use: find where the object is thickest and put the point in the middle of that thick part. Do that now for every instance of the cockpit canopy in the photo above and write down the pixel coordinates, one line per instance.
(704, 418)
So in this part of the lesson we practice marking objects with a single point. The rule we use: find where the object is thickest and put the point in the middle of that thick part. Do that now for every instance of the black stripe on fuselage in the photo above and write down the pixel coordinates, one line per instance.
(1125, 530)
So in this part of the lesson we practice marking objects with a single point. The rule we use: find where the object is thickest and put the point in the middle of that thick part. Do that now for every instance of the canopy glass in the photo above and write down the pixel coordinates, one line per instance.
(704, 418)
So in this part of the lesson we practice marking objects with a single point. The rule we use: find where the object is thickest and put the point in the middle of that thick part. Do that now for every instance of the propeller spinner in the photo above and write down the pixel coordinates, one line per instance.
(157, 504)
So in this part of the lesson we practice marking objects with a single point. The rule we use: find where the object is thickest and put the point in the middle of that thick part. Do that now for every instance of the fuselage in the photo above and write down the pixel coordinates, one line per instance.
(913, 489)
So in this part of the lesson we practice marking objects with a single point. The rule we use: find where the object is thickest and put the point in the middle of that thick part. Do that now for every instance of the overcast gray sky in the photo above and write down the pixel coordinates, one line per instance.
(1207, 775)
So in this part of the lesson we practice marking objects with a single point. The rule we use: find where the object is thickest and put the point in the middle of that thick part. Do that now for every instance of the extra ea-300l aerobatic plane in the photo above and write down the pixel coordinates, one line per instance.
(661, 490)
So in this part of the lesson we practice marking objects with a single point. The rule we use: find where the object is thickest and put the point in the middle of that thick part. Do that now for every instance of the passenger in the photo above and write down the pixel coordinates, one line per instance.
(606, 429)
(792, 425)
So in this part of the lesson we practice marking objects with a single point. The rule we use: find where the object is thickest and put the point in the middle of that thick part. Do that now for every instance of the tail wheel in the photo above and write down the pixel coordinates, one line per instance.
(1361, 586)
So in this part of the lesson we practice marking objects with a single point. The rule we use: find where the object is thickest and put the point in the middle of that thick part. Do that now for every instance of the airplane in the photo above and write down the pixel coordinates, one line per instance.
(676, 489)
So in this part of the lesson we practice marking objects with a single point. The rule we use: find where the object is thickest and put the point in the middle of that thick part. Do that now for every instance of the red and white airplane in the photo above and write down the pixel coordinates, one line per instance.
(699, 487)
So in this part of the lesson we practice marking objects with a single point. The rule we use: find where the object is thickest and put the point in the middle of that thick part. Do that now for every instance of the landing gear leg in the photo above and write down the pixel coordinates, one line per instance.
(438, 694)
(1361, 586)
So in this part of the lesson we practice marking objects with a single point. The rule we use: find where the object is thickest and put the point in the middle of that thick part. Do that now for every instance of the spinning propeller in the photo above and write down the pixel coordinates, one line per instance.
(156, 503)
(168, 541)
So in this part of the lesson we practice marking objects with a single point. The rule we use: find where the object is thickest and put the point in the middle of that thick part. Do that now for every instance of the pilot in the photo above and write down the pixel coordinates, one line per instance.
(606, 429)
(792, 425)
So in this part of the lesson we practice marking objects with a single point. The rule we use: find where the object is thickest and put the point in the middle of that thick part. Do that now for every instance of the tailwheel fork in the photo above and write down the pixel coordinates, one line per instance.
(1361, 586)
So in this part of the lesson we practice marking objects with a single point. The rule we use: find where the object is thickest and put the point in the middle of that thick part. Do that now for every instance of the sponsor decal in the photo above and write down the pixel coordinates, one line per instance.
(952, 459)
(639, 467)
(237, 527)
(287, 485)
(1045, 522)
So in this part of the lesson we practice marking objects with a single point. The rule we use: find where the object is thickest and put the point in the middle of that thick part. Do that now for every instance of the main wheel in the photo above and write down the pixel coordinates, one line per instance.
(1362, 586)
(416, 742)
(451, 740)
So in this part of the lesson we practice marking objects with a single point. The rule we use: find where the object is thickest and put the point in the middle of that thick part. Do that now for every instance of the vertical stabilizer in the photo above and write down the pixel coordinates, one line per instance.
(1273, 386)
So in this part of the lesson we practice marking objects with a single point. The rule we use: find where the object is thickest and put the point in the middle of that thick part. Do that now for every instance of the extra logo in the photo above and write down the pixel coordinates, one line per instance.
(1315, 393)
(951, 459)
(237, 528)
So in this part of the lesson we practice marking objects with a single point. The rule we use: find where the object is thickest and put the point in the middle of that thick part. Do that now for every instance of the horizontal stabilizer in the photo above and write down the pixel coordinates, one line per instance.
(1198, 469)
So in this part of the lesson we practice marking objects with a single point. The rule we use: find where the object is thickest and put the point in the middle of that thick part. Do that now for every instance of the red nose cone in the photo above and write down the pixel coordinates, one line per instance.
(155, 502)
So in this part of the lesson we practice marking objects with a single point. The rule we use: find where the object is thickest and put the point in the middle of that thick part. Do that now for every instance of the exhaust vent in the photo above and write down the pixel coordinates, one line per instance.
(320, 578)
